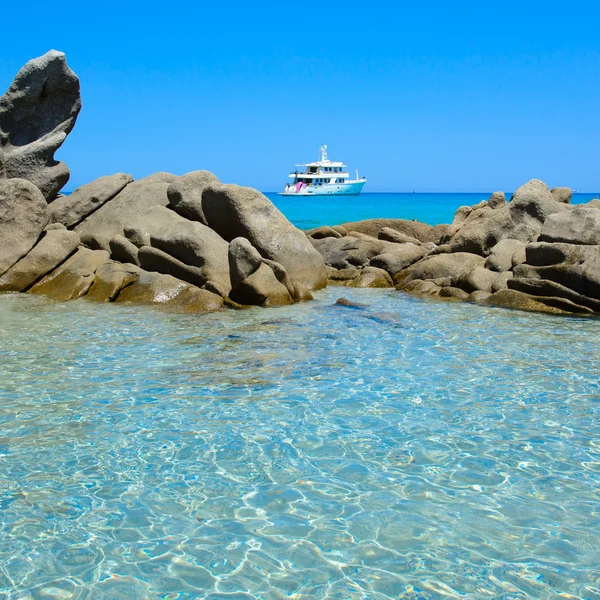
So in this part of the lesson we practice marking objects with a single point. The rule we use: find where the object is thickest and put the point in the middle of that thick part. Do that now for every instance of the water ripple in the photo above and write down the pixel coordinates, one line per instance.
(412, 449)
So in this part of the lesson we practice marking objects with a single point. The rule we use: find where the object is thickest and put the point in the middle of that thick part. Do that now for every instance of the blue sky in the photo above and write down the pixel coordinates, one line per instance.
(431, 96)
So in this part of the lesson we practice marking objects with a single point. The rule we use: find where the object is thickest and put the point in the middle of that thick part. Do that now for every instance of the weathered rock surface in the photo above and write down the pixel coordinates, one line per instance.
(544, 287)
(562, 194)
(496, 200)
(533, 203)
(391, 235)
(581, 225)
(190, 242)
(480, 278)
(574, 266)
(72, 209)
(355, 250)
(255, 281)
(478, 229)
(169, 292)
(322, 232)
(122, 250)
(73, 278)
(37, 113)
(185, 194)
(234, 211)
(110, 279)
(521, 301)
(440, 266)
(396, 259)
(505, 255)
(23, 216)
(153, 259)
(372, 277)
(415, 229)
(131, 204)
(54, 247)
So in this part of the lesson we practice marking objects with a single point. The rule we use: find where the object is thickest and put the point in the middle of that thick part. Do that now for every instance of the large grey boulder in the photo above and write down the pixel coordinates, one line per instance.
(544, 287)
(192, 243)
(110, 279)
(234, 211)
(533, 203)
(414, 229)
(168, 292)
(23, 216)
(581, 225)
(514, 299)
(37, 113)
(439, 266)
(129, 205)
(505, 255)
(574, 266)
(124, 251)
(255, 280)
(391, 235)
(73, 278)
(185, 194)
(153, 259)
(353, 250)
(372, 277)
(244, 259)
(55, 246)
(562, 194)
(479, 228)
(189, 242)
(396, 259)
(480, 278)
(71, 210)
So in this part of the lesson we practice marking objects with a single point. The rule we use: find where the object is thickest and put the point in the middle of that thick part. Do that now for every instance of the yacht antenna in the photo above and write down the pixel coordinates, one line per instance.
(323, 152)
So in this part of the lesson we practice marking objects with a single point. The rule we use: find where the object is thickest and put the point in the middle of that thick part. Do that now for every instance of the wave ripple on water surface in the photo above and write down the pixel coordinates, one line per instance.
(411, 449)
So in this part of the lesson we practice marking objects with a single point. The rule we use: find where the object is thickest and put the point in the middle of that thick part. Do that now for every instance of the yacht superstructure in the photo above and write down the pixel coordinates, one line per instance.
(323, 178)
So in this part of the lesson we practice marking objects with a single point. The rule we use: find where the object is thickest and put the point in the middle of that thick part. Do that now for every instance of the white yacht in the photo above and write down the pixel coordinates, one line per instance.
(323, 178)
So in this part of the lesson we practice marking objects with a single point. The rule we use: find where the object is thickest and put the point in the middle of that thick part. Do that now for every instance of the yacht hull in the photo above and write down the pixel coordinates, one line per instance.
(328, 189)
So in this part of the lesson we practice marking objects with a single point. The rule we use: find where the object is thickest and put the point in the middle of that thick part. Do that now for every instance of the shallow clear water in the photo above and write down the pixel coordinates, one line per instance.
(409, 449)
(307, 212)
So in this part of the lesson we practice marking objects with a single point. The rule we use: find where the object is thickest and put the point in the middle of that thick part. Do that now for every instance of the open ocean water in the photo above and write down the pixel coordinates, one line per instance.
(408, 449)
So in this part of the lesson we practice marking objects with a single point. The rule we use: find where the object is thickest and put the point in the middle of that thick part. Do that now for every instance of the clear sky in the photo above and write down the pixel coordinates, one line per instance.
(430, 95)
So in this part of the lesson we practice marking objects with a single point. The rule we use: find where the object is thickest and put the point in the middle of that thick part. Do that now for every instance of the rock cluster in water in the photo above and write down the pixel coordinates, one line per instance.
(195, 244)
(537, 252)
(189, 242)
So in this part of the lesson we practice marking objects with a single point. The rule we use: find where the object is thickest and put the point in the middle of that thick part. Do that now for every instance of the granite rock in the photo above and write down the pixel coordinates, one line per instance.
(185, 194)
(37, 113)
(234, 211)
(71, 210)
(73, 278)
(54, 247)
(23, 216)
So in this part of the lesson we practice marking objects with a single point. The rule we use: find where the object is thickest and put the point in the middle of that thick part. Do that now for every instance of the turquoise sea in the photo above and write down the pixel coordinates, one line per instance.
(433, 208)
(406, 449)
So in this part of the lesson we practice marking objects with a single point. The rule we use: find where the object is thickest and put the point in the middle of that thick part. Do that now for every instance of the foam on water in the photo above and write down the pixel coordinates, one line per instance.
(409, 449)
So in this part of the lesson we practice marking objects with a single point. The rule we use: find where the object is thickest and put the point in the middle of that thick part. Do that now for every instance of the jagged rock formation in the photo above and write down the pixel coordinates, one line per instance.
(536, 252)
(36, 114)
